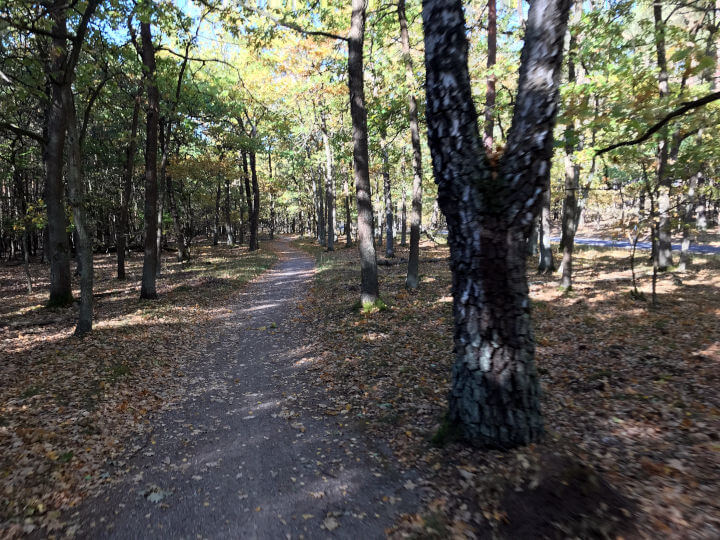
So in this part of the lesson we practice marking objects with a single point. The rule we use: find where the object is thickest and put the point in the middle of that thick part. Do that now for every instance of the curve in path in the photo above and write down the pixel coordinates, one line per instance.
(241, 456)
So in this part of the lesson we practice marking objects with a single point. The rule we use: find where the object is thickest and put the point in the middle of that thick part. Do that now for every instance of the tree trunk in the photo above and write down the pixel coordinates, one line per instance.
(403, 218)
(329, 191)
(663, 253)
(348, 218)
(216, 223)
(411, 280)
(546, 263)
(687, 219)
(76, 192)
(255, 216)
(58, 248)
(248, 193)
(147, 287)
(228, 219)
(572, 170)
(122, 232)
(389, 231)
(369, 290)
(490, 85)
(490, 209)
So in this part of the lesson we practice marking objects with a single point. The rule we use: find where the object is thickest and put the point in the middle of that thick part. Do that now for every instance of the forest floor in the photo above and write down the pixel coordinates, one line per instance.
(69, 406)
(630, 400)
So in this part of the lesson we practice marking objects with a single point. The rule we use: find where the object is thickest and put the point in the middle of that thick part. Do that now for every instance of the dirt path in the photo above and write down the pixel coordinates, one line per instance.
(250, 453)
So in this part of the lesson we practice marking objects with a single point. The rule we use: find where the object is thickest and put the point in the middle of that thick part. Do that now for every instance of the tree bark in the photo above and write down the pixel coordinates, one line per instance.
(58, 248)
(248, 191)
(389, 231)
(490, 84)
(147, 287)
(403, 218)
(411, 280)
(123, 221)
(546, 263)
(490, 209)
(572, 171)
(76, 192)
(255, 216)
(663, 253)
(348, 218)
(329, 191)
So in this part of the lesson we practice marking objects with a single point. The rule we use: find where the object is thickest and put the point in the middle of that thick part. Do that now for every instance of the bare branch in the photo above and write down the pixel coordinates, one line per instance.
(686, 107)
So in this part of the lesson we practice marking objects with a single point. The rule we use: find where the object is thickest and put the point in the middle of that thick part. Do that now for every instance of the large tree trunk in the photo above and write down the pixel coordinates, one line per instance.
(489, 209)
(58, 248)
(369, 290)
(76, 192)
(147, 287)
(123, 221)
(411, 280)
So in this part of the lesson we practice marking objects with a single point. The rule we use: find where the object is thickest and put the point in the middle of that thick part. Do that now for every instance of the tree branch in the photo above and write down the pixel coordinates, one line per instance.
(686, 107)
(21, 131)
(293, 26)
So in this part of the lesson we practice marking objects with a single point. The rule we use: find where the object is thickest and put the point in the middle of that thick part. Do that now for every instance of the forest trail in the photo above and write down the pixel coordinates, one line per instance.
(249, 452)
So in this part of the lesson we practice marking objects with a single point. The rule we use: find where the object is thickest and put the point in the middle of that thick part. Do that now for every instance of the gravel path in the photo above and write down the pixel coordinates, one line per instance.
(250, 453)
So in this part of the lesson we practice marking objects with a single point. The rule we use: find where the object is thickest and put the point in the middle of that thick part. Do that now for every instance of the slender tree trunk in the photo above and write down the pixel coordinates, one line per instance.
(147, 287)
(272, 200)
(403, 218)
(348, 217)
(546, 263)
(329, 191)
(228, 218)
(412, 280)
(321, 212)
(572, 170)
(216, 223)
(687, 222)
(663, 253)
(490, 85)
(76, 191)
(58, 247)
(490, 209)
(123, 221)
(255, 216)
(248, 194)
(389, 231)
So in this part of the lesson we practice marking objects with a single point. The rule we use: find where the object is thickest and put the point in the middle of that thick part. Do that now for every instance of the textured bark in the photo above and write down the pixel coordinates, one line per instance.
(489, 210)
(272, 199)
(321, 213)
(58, 248)
(389, 230)
(546, 263)
(369, 290)
(147, 287)
(123, 221)
(411, 280)
(228, 219)
(76, 192)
